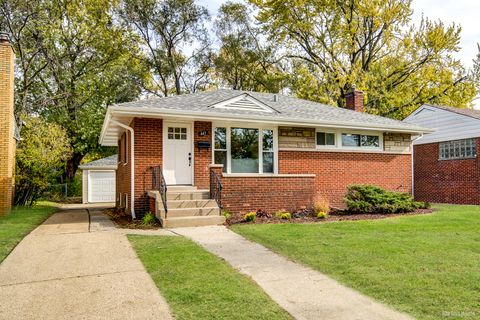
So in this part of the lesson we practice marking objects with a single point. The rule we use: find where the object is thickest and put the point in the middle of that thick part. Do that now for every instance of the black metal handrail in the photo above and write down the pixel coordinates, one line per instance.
(159, 184)
(216, 188)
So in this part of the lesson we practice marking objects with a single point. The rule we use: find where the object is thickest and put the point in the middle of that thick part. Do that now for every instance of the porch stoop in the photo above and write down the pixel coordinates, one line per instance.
(189, 207)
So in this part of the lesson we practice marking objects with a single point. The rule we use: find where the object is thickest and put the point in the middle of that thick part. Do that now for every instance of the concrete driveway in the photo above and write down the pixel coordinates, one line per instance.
(77, 266)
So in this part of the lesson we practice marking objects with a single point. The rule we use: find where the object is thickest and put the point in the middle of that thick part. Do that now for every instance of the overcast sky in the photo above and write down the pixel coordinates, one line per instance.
(463, 12)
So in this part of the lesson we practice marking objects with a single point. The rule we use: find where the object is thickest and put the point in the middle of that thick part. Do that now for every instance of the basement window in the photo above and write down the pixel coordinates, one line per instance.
(458, 149)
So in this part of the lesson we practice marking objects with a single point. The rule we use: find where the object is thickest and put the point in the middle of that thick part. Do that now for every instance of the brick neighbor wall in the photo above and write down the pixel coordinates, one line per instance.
(336, 170)
(7, 142)
(202, 157)
(445, 181)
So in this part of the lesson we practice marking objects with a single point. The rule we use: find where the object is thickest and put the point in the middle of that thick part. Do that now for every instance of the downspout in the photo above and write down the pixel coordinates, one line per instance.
(413, 173)
(132, 164)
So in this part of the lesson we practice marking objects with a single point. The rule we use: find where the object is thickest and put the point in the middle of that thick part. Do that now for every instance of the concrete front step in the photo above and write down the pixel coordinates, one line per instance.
(188, 195)
(177, 188)
(193, 212)
(190, 221)
(197, 203)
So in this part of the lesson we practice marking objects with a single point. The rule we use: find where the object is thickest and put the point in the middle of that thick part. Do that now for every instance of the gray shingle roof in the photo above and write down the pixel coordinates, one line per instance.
(463, 111)
(287, 109)
(104, 163)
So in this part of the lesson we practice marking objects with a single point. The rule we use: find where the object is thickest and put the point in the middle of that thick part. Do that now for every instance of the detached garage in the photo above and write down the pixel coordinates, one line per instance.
(99, 180)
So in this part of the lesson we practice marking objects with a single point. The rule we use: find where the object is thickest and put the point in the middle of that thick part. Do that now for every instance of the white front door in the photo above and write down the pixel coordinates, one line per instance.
(177, 153)
(101, 186)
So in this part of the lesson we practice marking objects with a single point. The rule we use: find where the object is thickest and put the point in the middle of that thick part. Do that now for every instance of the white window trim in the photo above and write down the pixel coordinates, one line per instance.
(260, 129)
(338, 140)
(326, 147)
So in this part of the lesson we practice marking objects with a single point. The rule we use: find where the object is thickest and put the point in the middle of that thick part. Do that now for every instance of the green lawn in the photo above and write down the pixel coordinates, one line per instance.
(198, 285)
(16, 225)
(428, 266)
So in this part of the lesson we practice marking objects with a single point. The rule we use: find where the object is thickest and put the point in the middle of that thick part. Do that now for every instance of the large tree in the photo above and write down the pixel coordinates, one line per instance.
(39, 159)
(24, 20)
(246, 59)
(333, 45)
(176, 41)
(90, 63)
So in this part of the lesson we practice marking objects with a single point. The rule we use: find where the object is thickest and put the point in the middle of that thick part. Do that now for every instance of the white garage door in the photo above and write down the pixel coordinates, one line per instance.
(101, 186)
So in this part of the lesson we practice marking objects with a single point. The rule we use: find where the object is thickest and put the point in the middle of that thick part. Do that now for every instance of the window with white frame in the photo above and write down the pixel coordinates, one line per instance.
(360, 140)
(220, 147)
(458, 149)
(268, 152)
(244, 150)
(325, 138)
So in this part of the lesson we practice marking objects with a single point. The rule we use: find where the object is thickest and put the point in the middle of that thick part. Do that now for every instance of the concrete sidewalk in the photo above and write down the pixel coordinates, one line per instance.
(303, 292)
(71, 268)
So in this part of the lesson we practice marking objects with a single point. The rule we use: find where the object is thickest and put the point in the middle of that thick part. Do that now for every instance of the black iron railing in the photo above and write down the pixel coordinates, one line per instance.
(159, 184)
(216, 188)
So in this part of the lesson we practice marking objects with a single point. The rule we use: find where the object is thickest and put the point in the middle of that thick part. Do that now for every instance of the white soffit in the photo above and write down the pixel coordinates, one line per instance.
(244, 102)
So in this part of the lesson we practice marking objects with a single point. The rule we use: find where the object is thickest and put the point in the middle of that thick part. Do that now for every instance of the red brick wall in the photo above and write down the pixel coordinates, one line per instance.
(245, 194)
(148, 153)
(203, 157)
(336, 170)
(445, 181)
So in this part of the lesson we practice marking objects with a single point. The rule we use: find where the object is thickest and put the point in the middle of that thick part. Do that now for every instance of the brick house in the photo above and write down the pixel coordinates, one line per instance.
(446, 164)
(8, 132)
(265, 151)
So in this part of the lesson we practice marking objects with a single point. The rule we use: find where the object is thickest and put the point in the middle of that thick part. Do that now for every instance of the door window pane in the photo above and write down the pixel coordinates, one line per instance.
(244, 150)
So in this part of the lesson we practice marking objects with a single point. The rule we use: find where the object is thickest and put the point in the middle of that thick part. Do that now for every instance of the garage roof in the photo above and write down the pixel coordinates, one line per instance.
(104, 163)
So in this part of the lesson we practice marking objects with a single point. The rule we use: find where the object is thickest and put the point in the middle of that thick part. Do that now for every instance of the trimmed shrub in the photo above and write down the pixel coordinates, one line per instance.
(251, 216)
(373, 199)
(322, 215)
(283, 215)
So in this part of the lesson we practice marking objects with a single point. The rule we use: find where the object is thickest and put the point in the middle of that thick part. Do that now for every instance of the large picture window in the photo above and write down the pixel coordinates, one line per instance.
(244, 150)
(458, 149)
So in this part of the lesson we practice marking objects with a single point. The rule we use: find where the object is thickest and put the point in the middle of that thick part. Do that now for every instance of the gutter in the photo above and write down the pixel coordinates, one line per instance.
(132, 164)
(413, 173)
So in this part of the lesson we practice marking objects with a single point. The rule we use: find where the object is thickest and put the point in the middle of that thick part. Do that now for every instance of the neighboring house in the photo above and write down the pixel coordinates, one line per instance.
(98, 180)
(268, 151)
(8, 128)
(446, 164)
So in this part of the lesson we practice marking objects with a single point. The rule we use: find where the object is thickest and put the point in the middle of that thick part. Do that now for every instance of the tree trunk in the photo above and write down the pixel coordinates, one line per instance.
(71, 166)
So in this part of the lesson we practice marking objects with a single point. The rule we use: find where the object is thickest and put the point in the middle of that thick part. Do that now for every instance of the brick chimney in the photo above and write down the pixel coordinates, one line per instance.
(354, 100)
(7, 141)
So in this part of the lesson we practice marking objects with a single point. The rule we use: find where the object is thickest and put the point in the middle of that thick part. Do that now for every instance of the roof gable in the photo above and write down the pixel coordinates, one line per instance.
(244, 102)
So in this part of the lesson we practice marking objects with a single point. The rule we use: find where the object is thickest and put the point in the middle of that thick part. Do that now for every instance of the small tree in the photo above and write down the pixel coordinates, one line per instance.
(41, 153)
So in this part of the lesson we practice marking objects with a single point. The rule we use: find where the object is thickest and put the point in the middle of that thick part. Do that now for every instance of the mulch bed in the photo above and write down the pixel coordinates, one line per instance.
(337, 215)
(125, 221)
